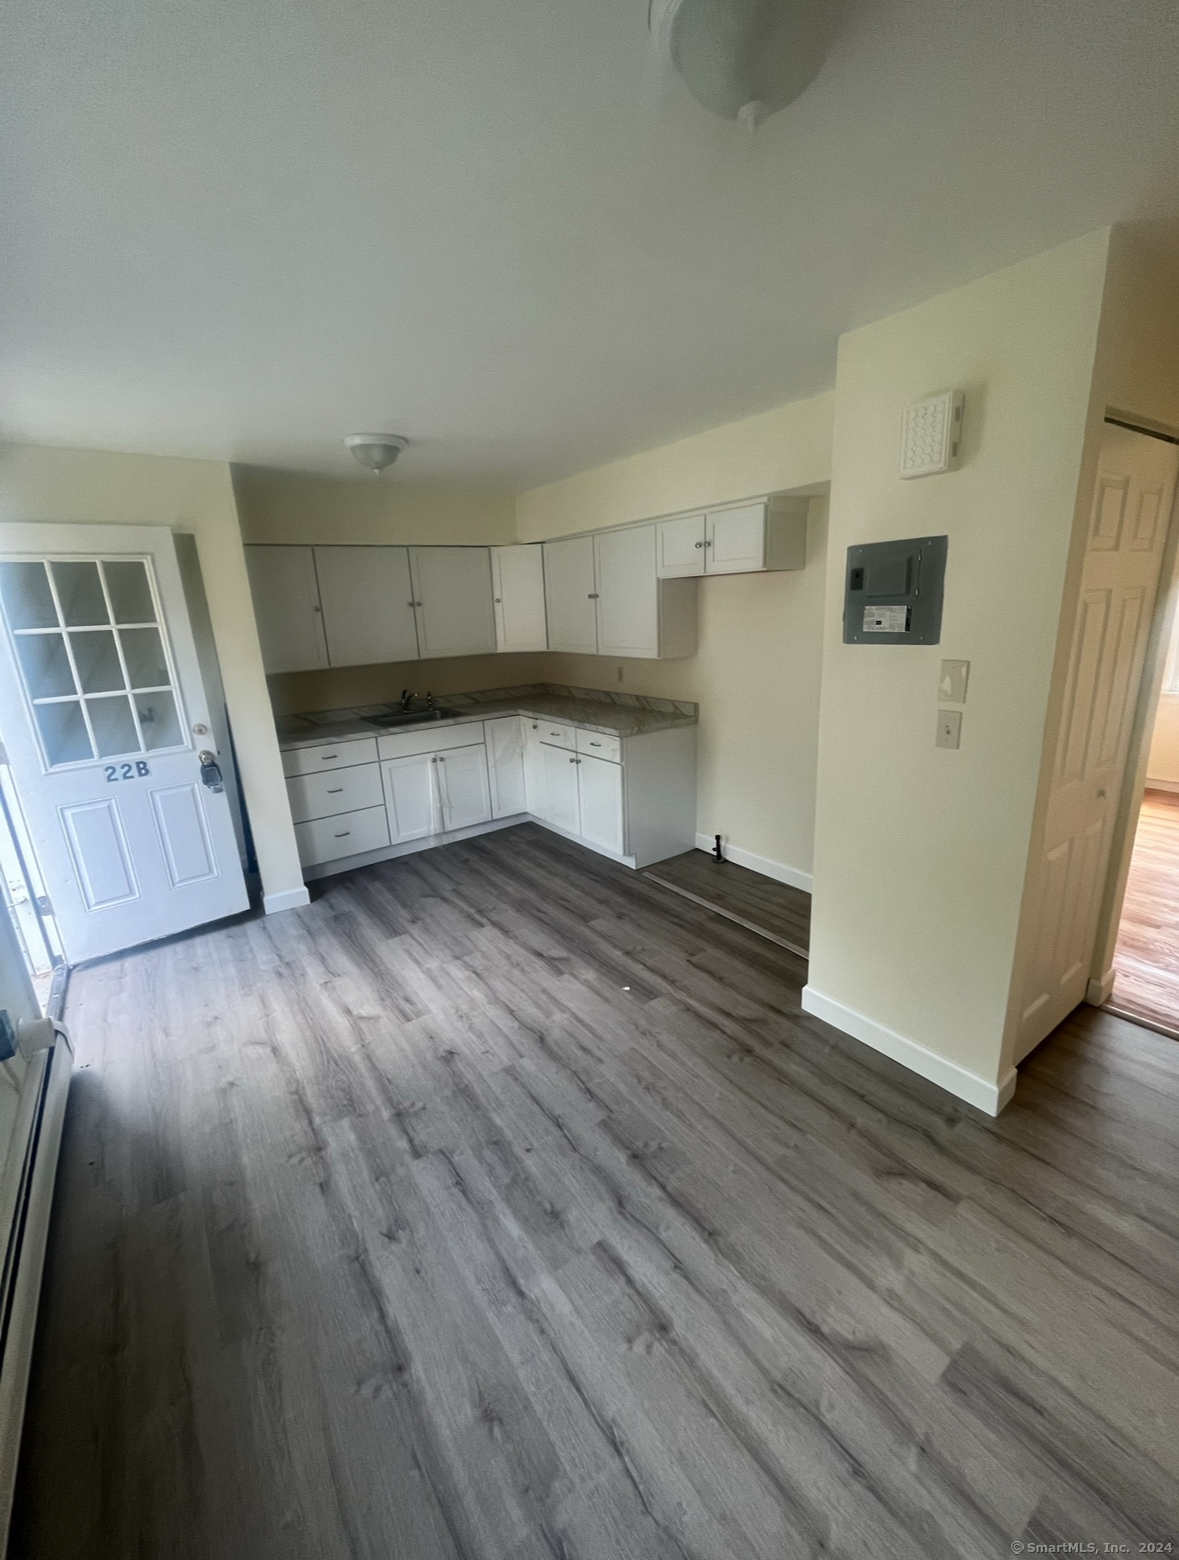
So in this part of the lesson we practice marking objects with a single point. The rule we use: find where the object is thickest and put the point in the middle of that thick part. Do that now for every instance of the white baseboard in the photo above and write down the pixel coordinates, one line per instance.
(1098, 992)
(289, 899)
(969, 1086)
(763, 864)
(1161, 785)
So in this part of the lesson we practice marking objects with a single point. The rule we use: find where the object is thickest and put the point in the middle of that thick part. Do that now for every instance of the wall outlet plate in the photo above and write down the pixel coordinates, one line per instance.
(949, 728)
(951, 685)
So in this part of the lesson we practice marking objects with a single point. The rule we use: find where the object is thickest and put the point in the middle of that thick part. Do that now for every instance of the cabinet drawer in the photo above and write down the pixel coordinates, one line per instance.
(345, 790)
(556, 735)
(328, 839)
(600, 744)
(429, 739)
(331, 755)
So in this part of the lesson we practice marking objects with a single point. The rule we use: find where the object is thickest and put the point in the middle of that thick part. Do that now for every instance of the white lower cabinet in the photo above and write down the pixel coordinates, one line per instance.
(599, 792)
(559, 770)
(633, 798)
(463, 791)
(410, 797)
(347, 834)
(505, 765)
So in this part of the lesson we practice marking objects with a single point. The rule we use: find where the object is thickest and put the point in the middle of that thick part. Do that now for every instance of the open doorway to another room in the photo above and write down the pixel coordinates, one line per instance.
(1146, 958)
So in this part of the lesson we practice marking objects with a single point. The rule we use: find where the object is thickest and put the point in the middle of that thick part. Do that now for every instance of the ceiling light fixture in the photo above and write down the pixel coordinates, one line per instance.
(376, 450)
(744, 59)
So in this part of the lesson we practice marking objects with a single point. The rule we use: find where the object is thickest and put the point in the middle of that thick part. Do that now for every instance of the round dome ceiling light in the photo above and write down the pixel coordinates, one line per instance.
(744, 59)
(376, 450)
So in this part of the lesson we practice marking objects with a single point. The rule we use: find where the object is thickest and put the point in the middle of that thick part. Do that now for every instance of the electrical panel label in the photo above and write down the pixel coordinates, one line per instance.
(886, 620)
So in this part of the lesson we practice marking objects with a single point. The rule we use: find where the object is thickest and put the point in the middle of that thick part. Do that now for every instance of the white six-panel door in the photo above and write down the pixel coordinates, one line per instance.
(104, 719)
(1127, 535)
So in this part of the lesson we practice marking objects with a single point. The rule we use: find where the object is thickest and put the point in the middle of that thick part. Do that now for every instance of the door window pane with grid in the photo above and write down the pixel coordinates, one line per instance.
(92, 655)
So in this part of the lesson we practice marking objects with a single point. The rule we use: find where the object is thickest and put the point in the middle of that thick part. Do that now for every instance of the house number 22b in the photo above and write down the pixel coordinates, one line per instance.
(127, 771)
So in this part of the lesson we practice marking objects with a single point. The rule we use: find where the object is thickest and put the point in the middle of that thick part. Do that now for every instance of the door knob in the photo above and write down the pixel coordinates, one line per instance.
(211, 771)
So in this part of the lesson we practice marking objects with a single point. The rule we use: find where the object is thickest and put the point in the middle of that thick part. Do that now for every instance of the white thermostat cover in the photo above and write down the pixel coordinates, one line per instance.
(931, 433)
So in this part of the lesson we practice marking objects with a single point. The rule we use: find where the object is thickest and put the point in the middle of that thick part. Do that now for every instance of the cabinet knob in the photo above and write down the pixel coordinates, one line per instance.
(317, 609)
(699, 544)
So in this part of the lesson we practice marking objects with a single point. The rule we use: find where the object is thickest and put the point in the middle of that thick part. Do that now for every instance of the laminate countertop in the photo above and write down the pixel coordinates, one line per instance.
(623, 715)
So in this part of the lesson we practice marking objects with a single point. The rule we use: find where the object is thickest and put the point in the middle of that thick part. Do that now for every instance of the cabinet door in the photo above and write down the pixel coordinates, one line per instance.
(570, 595)
(452, 593)
(286, 608)
(505, 765)
(517, 575)
(367, 603)
(560, 788)
(599, 784)
(736, 540)
(463, 788)
(680, 546)
(534, 790)
(410, 797)
(628, 592)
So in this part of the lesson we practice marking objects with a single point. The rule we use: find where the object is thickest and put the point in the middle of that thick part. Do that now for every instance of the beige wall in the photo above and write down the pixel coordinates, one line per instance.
(788, 448)
(756, 672)
(921, 853)
(340, 687)
(194, 496)
(283, 506)
(1163, 760)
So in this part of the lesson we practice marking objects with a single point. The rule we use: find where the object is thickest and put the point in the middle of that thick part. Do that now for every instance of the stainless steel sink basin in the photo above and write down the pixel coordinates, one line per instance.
(408, 717)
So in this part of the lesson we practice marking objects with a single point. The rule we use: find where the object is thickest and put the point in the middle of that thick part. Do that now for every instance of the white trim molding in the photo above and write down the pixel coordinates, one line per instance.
(1099, 992)
(955, 1079)
(778, 870)
(1161, 785)
(289, 899)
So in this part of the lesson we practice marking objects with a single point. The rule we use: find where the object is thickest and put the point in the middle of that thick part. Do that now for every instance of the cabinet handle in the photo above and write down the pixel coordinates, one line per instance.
(593, 596)
(343, 836)
(324, 757)
(334, 790)
(595, 744)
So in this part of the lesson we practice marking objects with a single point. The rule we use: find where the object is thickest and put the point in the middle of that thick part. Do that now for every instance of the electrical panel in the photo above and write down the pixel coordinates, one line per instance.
(893, 592)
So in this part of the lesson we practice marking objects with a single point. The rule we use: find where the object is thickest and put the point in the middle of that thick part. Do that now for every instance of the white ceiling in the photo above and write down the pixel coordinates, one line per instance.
(245, 228)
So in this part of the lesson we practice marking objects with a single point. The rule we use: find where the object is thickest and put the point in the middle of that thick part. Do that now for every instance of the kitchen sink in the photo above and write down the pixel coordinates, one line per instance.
(408, 717)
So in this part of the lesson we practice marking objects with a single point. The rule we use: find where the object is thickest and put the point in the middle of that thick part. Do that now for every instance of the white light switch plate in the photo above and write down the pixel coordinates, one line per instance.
(949, 728)
(951, 687)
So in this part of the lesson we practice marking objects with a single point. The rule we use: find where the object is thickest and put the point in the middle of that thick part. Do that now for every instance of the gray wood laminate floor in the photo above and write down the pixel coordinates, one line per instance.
(502, 1204)
(776, 910)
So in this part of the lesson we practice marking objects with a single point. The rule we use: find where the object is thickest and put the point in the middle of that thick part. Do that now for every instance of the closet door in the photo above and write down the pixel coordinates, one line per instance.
(286, 608)
(628, 592)
(571, 595)
(452, 596)
(518, 579)
(367, 602)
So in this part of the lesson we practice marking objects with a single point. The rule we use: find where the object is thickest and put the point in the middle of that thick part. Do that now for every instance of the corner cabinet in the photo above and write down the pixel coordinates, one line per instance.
(740, 539)
(604, 597)
(517, 581)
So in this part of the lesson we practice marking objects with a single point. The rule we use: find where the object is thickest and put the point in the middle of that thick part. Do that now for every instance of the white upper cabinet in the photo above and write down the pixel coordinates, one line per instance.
(681, 546)
(517, 576)
(627, 592)
(452, 598)
(571, 595)
(367, 602)
(742, 539)
(286, 608)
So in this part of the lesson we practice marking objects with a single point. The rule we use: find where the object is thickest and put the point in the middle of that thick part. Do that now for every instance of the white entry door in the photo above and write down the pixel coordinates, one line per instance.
(1127, 535)
(104, 719)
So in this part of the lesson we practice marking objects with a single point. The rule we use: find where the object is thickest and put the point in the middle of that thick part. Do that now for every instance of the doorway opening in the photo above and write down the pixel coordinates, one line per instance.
(1146, 954)
(23, 890)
